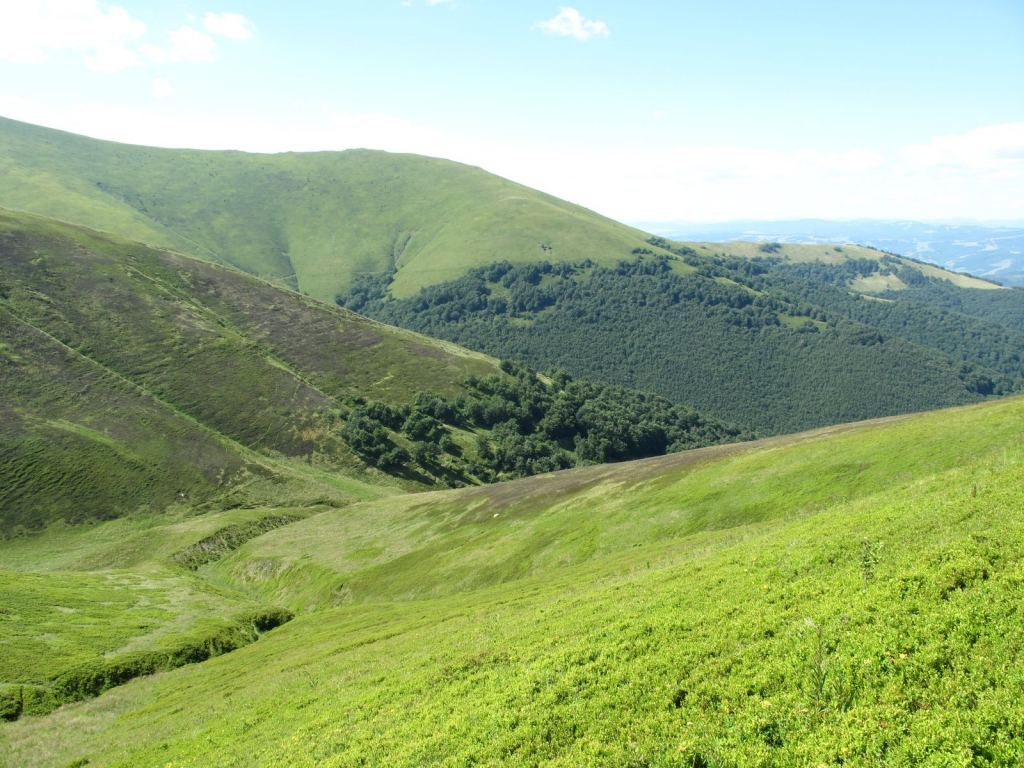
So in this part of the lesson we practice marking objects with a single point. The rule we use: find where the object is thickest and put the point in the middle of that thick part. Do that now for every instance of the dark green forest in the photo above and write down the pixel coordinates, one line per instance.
(769, 345)
(523, 424)
(1005, 308)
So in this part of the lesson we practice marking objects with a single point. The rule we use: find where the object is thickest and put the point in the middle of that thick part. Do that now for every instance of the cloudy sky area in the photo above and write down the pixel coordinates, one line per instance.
(644, 111)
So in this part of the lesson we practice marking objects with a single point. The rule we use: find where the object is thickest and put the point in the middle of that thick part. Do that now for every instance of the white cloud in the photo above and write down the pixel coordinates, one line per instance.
(106, 37)
(719, 183)
(230, 25)
(184, 44)
(162, 89)
(992, 149)
(112, 59)
(31, 31)
(569, 22)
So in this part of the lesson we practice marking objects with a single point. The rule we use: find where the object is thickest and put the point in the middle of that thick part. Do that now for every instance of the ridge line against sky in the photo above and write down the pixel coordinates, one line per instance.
(653, 111)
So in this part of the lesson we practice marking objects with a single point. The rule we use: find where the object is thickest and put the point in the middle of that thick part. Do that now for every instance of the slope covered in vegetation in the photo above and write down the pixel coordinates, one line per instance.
(524, 423)
(205, 552)
(326, 223)
(314, 221)
(845, 597)
(774, 343)
(310, 221)
(137, 379)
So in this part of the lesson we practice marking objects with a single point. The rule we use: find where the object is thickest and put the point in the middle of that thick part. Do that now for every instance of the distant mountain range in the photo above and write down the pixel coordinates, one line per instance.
(992, 251)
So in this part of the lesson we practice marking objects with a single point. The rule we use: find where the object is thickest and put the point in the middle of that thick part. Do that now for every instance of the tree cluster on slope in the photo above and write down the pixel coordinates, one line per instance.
(525, 423)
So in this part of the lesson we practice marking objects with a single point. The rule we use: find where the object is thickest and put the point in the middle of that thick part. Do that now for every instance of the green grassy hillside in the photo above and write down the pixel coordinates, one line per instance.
(208, 554)
(87, 608)
(313, 221)
(325, 223)
(139, 379)
(844, 597)
(306, 220)
(429, 545)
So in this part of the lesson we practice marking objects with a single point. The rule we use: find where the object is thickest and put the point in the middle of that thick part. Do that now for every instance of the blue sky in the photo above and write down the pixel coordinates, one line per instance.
(641, 110)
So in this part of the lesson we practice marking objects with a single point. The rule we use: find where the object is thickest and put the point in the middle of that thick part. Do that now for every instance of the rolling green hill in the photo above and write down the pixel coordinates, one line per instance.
(139, 379)
(193, 407)
(210, 548)
(839, 254)
(314, 221)
(331, 223)
(843, 597)
(310, 221)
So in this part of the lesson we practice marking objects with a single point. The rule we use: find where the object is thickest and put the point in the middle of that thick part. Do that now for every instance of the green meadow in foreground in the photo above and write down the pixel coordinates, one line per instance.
(844, 597)
(222, 539)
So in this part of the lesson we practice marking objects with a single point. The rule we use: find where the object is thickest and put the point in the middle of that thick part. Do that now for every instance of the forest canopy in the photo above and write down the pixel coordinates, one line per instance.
(769, 345)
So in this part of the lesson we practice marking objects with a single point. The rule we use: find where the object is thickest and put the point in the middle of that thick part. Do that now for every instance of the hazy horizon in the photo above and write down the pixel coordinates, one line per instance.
(949, 222)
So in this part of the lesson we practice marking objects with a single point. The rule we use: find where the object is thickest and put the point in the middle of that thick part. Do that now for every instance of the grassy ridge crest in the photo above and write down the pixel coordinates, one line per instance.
(310, 221)
(313, 221)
